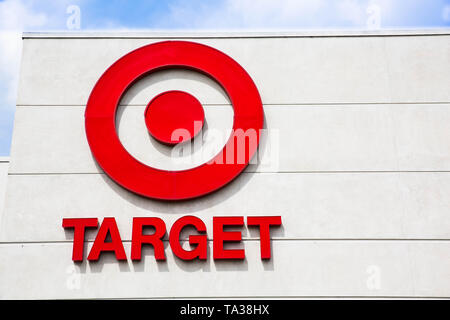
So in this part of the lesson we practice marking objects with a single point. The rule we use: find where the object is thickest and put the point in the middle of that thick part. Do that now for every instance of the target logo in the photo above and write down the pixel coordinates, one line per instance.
(171, 111)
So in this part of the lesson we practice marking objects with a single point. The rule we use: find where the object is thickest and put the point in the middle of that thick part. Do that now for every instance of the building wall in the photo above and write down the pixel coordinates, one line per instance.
(359, 169)
(4, 163)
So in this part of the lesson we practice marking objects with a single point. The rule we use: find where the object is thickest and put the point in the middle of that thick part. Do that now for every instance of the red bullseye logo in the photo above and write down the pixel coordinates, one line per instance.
(170, 111)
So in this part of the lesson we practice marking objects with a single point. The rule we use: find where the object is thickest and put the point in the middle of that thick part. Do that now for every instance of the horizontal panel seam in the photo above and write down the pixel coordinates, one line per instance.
(232, 36)
(264, 104)
(246, 172)
(276, 239)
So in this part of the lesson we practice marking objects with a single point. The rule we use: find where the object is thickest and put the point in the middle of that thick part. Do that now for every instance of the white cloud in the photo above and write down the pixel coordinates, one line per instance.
(446, 13)
(352, 10)
(237, 14)
(271, 13)
(283, 14)
(15, 16)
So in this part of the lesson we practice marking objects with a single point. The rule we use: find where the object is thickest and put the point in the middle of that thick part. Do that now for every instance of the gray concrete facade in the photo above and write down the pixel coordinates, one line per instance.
(358, 140)
(4, 165)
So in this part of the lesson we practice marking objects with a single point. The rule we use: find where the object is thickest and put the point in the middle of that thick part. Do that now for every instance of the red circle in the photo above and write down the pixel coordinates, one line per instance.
(174, 116)
(147, 181)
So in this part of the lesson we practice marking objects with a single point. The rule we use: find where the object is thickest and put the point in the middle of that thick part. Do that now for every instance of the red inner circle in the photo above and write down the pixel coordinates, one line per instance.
(174, 116)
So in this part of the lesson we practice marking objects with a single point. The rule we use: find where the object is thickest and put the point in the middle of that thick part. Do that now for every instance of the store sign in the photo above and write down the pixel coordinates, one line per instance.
(166, 113)
(170, 111)
(199, 241)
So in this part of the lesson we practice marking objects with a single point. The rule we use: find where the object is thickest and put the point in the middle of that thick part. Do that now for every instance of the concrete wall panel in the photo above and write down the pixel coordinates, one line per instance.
(318, 269)
(321, 205)
(320, 70)
(4, 164)
(299, 138)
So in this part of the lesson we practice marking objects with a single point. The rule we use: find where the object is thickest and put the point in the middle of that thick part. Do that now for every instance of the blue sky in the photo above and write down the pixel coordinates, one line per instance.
(17, 16)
